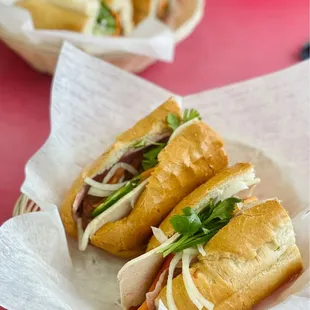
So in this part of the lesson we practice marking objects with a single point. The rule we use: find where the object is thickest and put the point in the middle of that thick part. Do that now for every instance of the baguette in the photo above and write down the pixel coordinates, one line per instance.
(47, 15)
(228, 182)
(246, 260)
(93, 17)
(193, 155)
(237, 173)
(149, 128)
(142, 9)
(186, 162)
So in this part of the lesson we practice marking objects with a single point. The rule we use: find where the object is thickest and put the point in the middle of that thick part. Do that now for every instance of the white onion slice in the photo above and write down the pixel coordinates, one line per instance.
(112, 171)
(196, 297)
(99, 192)
(105, 187)
(239, 205)
(201, 250)
(252, 187)
(159, 234)
(117, 211)
(169, 294)
(236, 187)
(249, 205)
(79, 226)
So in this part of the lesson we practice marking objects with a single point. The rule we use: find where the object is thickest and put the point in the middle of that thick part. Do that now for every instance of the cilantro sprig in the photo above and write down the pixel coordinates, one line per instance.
(174, 122)
(106, 23)
(141, 143)
(150, 159)
(195, 229)
(188, 115)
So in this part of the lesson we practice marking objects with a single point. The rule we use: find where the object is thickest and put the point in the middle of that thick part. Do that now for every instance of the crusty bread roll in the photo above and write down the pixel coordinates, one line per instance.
(86, 7)
(186, 162)
(150, 127)
(142, 9)
(246, 261)
(226, 183)
(210, 189)
(78, 15)
(193, 156)
(47, 15)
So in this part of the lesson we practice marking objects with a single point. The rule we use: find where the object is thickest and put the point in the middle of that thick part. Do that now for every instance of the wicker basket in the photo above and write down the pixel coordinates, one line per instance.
(24, 205)
(44, 58)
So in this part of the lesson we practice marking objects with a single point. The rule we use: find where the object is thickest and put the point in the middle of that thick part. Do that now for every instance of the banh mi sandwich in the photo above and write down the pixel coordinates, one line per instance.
(143, 8)
(217, 251)
(140, 178)
(95, 17)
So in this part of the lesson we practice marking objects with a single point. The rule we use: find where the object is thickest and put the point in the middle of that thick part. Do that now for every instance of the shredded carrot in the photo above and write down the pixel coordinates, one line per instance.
(143, 306)
(120, 172)
(250, 199)
(164, 267)
(117, 175)
(145, 174)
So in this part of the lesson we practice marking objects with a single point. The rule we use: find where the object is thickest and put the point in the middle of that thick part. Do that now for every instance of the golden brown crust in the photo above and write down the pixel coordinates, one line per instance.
(246, 260)
(49, 16)
(152, 125)
(142, 9)
(186, 162)
(198, 194)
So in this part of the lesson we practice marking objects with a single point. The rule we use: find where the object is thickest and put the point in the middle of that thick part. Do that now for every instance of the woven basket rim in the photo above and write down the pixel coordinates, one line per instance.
(20, 206)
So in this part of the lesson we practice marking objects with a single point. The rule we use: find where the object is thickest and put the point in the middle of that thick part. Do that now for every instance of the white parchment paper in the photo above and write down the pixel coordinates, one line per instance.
(265, 121)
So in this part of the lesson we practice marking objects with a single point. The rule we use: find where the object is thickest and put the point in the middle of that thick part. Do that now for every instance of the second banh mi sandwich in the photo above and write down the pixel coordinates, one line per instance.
(143, 8)
(94, 17)
(216, 250)
(140, 178)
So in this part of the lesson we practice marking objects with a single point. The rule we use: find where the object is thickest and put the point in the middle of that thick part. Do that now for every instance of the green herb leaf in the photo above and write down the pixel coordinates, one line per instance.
(139, 144)
(106, 23)
(150, 157)
(173, 121)
(188, 223)
(203, 239)
(117, 195)
(188, 115)
(200, 228)
(207, 210)
(223, 210)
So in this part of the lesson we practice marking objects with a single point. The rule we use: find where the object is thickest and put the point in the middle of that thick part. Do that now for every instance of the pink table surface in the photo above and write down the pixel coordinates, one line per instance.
(237, 40)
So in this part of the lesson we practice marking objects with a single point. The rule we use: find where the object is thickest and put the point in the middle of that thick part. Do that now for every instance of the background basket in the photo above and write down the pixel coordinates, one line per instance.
(44, 58)
(24, 205)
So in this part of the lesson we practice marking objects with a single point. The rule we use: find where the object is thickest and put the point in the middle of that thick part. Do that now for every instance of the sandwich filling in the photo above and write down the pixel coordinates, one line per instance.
(121, 184)
(108, 22)
(163, 9)
(194, 228)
